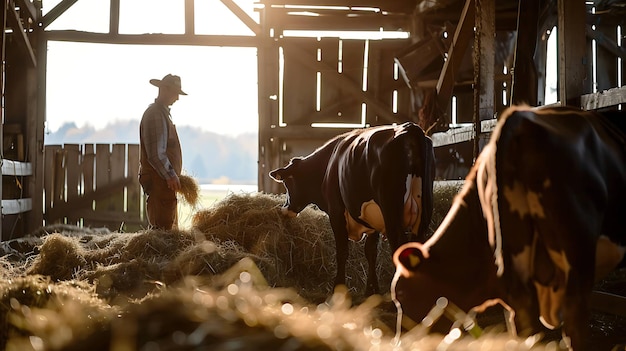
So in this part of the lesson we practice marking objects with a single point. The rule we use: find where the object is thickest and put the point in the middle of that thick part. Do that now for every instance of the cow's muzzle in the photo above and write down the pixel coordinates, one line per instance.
(287, 212)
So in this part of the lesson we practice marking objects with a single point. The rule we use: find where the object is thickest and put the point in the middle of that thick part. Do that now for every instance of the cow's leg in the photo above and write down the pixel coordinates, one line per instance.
(576, 313)
(338, 224)
(341, 244)
(371, 252)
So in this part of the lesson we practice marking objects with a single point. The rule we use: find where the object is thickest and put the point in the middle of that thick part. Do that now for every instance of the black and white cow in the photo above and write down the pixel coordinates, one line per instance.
(540, 218)
(371, 180)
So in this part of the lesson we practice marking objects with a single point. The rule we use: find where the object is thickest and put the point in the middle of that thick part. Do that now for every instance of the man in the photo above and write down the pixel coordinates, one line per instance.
(160, 162)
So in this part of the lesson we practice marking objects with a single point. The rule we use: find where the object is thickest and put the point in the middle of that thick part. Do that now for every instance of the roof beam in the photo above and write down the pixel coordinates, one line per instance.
(19, 31)
(243, 16)
(30, 8)
(57, 11)
(153, 39)
(462, 37)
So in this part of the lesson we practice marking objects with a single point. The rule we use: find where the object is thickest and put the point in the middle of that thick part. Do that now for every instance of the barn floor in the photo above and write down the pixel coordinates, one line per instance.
(65, 287)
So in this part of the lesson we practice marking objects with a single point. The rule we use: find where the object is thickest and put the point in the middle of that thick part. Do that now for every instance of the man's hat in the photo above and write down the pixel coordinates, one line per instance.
(170, 81)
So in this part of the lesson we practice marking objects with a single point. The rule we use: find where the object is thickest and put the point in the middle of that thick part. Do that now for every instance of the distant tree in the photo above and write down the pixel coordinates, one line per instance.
(206, 155)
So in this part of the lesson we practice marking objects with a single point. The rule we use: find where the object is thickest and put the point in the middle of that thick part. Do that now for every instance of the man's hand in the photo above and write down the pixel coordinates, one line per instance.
(173, 183)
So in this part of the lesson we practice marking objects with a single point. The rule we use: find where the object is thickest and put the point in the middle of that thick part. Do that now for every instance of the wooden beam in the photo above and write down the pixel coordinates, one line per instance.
(305, 133)
(16, 168)
(16, 206)
(114, 17)
(484, 63)
(462, 37)
(572, 50)
(462, 134)
(31, 11)
(243, 16)
(606, 43)
(337, 22)
(525, 79)
(153, 39)
(18, 30)
(603, 99)
(190, 17)
(57, 11)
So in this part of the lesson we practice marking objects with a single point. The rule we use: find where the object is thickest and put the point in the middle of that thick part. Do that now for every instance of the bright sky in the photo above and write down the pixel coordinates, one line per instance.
(97, 84)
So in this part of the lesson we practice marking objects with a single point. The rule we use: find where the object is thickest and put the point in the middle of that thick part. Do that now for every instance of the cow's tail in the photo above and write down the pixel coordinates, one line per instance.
(487, 187)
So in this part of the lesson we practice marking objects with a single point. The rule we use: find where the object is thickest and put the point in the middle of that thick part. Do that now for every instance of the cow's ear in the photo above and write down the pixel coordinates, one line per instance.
(410, 256)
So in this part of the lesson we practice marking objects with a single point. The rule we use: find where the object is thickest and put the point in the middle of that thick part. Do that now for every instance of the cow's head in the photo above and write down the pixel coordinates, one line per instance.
(456, 262)
(297, 184)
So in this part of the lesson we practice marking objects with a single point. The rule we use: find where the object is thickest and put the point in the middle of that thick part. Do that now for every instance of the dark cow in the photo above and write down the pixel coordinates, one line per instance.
(541, 215)
(370, 180)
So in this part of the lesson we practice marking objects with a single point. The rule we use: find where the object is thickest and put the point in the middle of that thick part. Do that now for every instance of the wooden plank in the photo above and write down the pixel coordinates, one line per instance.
(603, 99)
(72, 166)
(134, 192)
(572, 50)
(16, 168)
(117, 168)
(59, 178)
(87, 168)
(102, 173)
(462, 37)
(16, 206)
(299, 80)
(461, 134)
(48, 181)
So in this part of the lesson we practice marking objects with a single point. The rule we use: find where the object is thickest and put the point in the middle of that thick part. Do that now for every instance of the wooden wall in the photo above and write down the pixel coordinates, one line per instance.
(94, 186)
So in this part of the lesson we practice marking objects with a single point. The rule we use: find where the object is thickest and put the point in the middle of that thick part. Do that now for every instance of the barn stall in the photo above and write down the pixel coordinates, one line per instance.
(460, 63)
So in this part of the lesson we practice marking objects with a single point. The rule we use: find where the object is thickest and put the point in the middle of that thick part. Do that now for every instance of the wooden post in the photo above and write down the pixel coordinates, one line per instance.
(484, 63)
(524, 71)
(572, 51)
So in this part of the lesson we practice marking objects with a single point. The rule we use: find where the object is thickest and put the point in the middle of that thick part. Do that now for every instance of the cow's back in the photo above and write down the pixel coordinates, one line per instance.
(565, 155)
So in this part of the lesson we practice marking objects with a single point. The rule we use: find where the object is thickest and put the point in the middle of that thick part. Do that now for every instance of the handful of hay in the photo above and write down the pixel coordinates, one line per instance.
(189, 189)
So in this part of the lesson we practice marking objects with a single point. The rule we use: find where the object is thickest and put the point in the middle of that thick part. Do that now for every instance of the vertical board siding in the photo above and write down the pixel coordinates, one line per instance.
(94, 186)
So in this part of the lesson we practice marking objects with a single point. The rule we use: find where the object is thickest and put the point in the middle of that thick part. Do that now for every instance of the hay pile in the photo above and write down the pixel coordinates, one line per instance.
(296, 252)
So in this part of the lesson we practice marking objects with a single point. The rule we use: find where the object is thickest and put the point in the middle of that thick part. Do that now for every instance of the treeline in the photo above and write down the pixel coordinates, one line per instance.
(207, 156)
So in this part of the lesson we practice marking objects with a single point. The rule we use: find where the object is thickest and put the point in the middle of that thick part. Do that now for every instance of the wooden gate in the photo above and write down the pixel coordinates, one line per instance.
(94, 186)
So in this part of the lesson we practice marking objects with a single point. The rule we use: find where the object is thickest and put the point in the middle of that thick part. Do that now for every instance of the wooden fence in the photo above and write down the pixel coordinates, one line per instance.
(94, 186)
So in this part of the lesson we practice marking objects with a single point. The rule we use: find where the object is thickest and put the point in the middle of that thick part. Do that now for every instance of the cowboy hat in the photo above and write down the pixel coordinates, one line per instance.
(170, 81)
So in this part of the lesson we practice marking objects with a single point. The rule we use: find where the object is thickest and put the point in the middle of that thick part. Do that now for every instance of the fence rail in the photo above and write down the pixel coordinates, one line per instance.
(94, 185)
